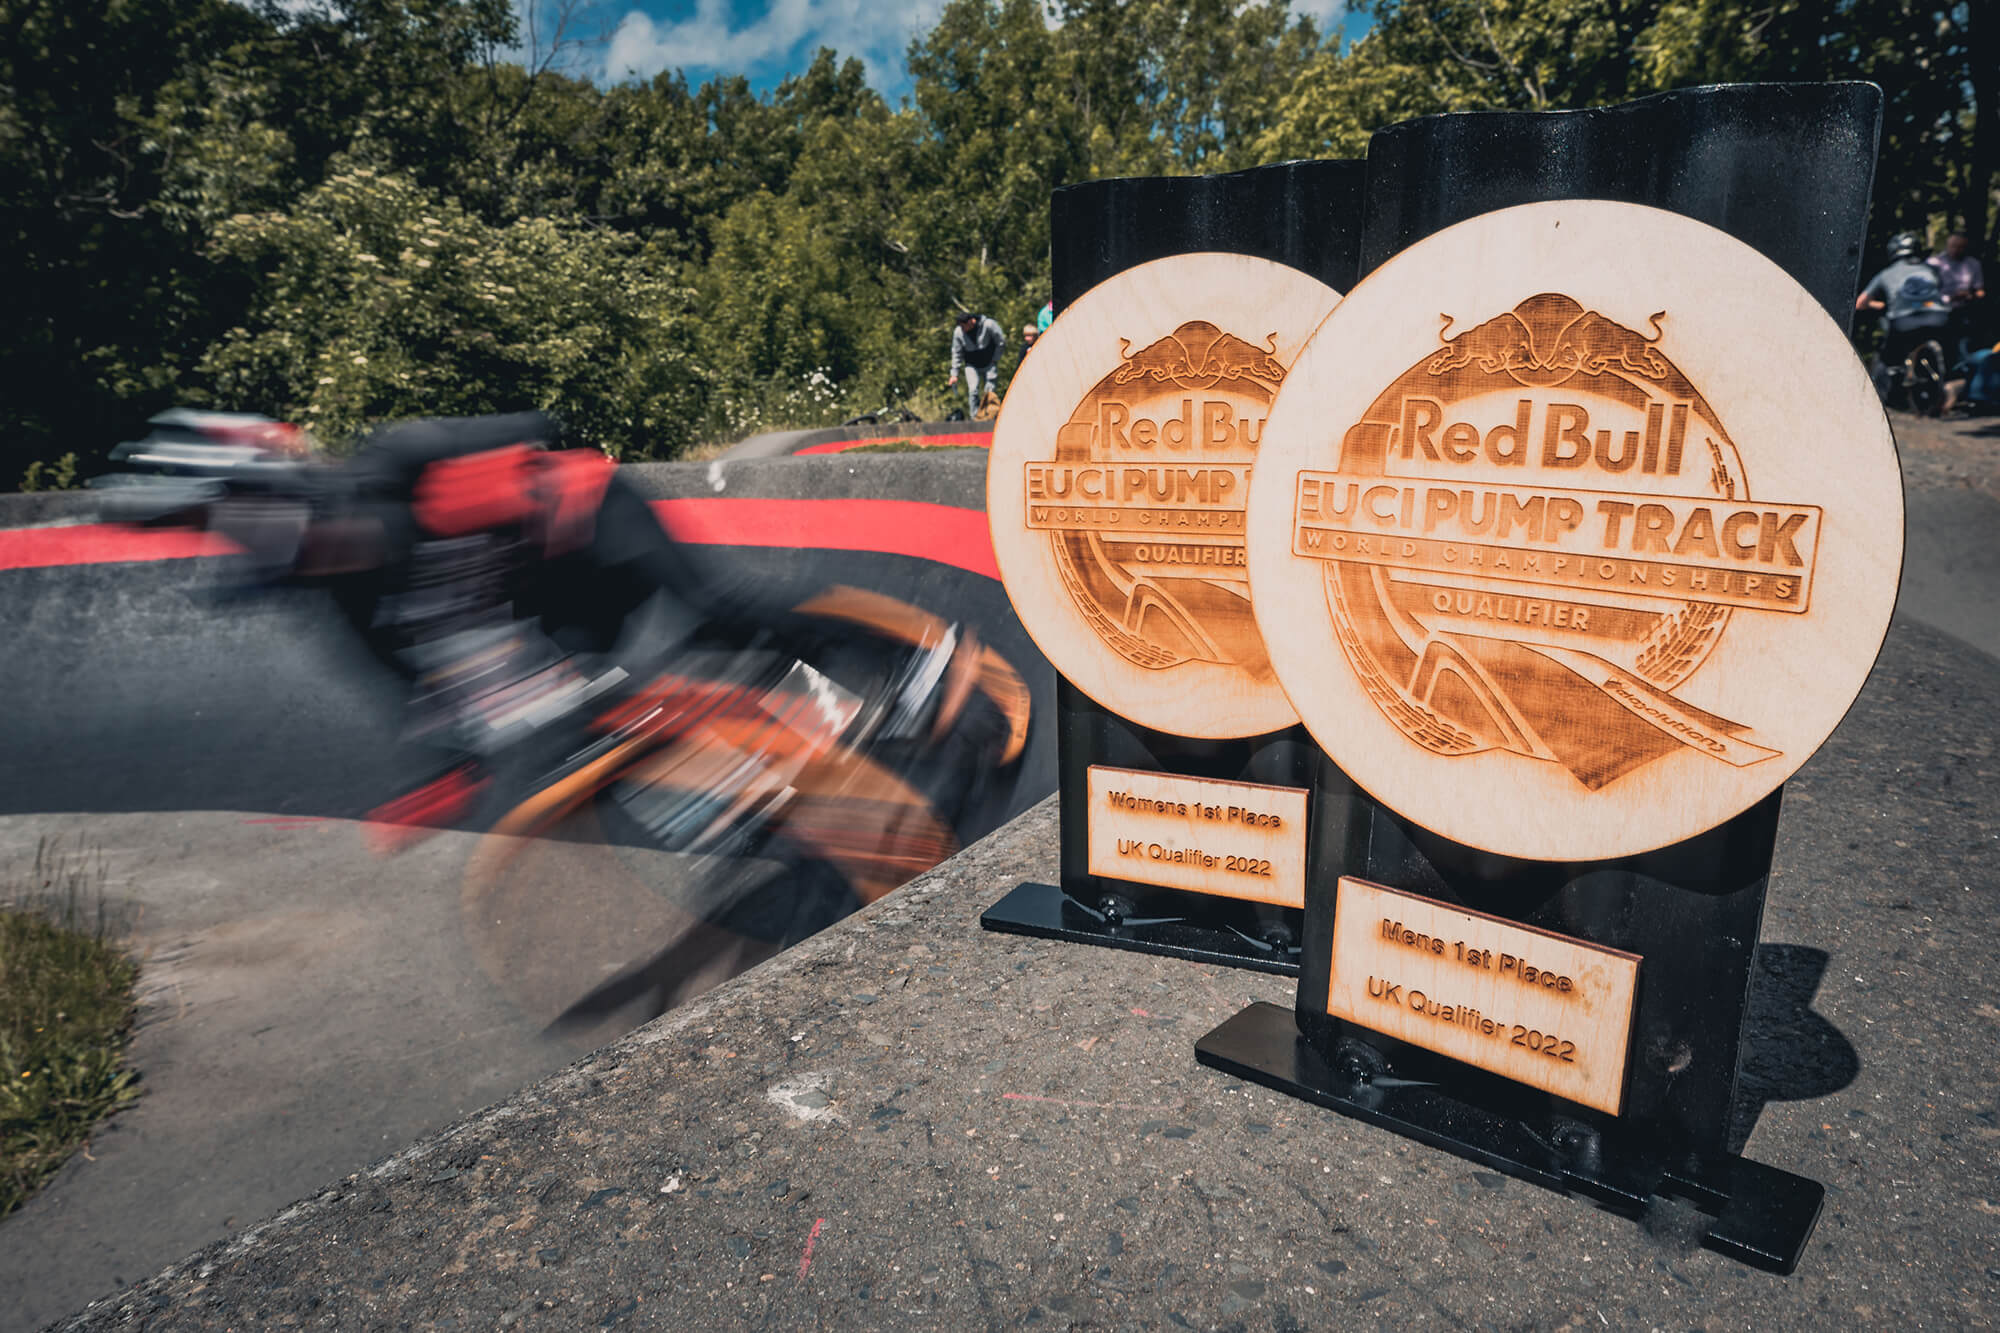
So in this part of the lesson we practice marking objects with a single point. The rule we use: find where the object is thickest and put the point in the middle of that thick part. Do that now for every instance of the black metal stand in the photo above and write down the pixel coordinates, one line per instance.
(1197, 935)
(1125, 914)
(1306, 215)
(1690, 911)
(1763, 1216)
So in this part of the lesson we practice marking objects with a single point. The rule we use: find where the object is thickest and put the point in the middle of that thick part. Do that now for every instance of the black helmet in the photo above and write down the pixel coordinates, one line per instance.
(1905, 245)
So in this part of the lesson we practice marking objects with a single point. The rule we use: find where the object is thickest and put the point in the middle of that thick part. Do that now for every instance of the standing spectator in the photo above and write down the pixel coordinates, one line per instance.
(975, 349)
(1958, 272)
(1964, 284)
(1045, 316)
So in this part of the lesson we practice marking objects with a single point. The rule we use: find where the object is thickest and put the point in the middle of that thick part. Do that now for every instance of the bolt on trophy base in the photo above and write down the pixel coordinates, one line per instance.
(1045, 911)
(1762, 1216)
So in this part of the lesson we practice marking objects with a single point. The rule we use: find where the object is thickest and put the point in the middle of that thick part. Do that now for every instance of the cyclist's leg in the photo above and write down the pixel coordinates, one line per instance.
(1924, 374)
(1891, 372)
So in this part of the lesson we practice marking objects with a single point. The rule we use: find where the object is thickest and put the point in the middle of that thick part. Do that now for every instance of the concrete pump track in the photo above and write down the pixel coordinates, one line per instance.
(311, 1006)
(905, 1122)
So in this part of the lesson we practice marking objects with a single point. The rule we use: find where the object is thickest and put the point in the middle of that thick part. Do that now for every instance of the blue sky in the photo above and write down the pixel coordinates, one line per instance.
(768, 39)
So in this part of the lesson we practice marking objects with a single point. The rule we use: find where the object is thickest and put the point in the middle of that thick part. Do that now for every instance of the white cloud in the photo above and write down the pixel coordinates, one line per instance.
(1325, 14)
(781, 37)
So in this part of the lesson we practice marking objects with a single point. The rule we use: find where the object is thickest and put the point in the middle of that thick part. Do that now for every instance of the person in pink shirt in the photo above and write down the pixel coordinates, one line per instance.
(1958, 272)
(1963, 281)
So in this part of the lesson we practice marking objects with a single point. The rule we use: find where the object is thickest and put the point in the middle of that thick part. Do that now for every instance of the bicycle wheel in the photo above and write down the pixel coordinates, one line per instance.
(1923, 378)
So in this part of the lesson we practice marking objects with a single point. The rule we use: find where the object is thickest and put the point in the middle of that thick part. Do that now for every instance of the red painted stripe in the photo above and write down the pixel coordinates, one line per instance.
(103, 544)
(979, 439)
(942, 533)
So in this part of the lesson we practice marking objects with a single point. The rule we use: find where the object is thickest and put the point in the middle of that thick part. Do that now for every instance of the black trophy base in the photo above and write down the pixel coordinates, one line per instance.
(1043, 910)
(1762, 1216)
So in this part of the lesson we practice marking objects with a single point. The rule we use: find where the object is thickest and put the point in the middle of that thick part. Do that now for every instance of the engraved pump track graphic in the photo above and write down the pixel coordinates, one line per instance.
(1562, 650)
(1119, 478)
(1576, 553)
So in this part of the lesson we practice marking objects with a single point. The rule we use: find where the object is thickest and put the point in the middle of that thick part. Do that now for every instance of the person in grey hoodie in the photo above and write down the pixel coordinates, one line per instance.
(975, 349)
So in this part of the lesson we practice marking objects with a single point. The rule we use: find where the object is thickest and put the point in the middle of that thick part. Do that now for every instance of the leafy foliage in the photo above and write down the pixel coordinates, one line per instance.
(376, 298)
(57, 476)
(1937, 61)
(361, 208)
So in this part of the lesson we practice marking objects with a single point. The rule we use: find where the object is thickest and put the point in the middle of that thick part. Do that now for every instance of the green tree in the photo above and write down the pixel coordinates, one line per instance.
(999, 131)
(366, 208)
(1179, 85)
(1938, 66)
(374, 79)
(126, 126)
(1937, 63)
(378, 299)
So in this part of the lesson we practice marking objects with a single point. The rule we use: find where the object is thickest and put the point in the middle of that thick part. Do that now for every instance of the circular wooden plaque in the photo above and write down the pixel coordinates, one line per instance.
(1118, 481)
(1577, 530)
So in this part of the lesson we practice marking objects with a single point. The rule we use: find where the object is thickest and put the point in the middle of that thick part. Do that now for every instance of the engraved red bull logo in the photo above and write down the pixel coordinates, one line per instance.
(1144, 500)
(1538, 533)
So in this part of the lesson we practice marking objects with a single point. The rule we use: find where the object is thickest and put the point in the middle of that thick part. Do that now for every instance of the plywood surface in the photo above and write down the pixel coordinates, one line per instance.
(1243, 840)
(1541, 1009)
(1120, 472)
(1576, 530)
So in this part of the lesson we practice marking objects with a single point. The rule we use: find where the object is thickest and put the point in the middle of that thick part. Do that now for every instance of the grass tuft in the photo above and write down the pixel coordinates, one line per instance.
(66, 1012)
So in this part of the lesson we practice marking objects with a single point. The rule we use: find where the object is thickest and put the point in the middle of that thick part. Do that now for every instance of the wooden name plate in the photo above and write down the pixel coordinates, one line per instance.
(1575, 531)
(1241, 840)
(1119, 473)
(1541, 1009)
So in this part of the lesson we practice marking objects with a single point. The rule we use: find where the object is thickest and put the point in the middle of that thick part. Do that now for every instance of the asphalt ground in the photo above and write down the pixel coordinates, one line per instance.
(1951, 564)
(306, 1005)
(909, 1123)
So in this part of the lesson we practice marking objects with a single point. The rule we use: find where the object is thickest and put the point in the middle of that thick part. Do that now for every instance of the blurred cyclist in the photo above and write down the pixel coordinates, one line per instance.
(499, 576)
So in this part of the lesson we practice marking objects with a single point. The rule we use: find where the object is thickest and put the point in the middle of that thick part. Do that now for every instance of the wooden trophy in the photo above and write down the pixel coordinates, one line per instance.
(1120, 471)
(1576, 530)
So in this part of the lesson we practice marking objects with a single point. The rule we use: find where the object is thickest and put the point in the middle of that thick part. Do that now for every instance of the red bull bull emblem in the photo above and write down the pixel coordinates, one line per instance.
(1120, 474)
(1575, 560)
